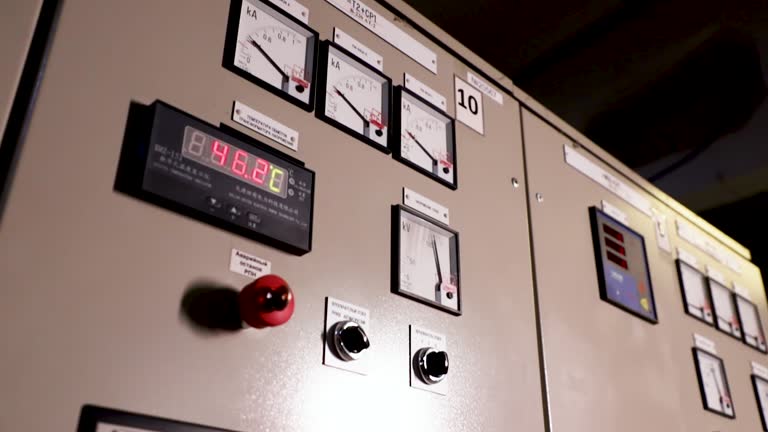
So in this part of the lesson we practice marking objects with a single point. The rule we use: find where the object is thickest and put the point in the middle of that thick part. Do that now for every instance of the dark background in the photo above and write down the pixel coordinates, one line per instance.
(675, 89)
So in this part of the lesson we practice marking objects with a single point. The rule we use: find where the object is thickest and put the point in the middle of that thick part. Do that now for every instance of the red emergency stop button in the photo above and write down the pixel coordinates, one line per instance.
(266, 302)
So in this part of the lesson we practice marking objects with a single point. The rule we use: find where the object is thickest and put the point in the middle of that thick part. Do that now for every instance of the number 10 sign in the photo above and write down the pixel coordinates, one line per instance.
(469, 105)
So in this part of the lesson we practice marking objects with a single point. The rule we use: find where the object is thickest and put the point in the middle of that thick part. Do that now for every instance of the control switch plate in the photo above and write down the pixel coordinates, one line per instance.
(347, 332)
(426, 342)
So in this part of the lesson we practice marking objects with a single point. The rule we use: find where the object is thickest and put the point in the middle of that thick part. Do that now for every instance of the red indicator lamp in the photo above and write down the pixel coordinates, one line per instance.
(266, 302)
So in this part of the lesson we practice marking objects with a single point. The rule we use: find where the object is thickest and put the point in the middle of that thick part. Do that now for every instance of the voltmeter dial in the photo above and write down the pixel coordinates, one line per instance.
(354, 96)
(713, 383)
(424, 137)
(726, 317)
(752, 327)
(696, 296)
(427, 264)
(272, 49)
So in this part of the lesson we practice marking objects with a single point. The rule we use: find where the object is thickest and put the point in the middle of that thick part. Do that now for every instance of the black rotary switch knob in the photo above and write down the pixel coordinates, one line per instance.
(432, 365)
(350, 340)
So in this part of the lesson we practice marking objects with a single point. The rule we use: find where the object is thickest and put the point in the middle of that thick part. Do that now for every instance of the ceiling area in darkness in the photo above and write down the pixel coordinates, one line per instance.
(661, 85)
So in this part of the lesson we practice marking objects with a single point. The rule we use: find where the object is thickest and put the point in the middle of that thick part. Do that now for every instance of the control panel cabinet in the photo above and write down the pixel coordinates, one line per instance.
(140, 288)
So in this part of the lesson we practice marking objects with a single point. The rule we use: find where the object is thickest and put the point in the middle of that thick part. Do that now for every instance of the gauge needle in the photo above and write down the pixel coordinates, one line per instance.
(284, 76)
(717, 385)
(439, 272)
(434, 161)
(366, 123)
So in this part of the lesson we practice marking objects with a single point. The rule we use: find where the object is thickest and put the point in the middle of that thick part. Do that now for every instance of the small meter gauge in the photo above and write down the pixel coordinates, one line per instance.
(272, 49)
(726, 317)
(353, 96)
(696, 297)
(760, 385)
(751, 326)
(426, 260)
(425, 137)
(713, 383)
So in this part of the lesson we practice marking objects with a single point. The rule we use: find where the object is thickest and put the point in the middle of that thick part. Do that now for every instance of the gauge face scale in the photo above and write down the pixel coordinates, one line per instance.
(424, 137)
(726, 317)
(696, 297)
(272, 49)
(353, 96)
(751, 326)
(425, 256)
(713, 383)
(760, 385)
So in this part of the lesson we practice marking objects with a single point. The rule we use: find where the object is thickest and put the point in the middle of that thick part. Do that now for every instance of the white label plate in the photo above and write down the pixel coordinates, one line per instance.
(716, 275)
(425, 92)
(248, 265)
(357, 48)
(608, 181)
(423, 338)
(335, 311)
(760, 370)
(264, 125)
(426, 206)
(687, 257)
(710, 247)
(469, 106)
(388, 31)
(109, 427)
(662, 230)
(615, 213)
(485, 88)
(741, 290)
(704, 343)
(298, 10)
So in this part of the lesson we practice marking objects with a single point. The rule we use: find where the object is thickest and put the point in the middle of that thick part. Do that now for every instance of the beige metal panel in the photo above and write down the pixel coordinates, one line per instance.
(632, 176)
(93, 279)
(17, 23)
(606, 369)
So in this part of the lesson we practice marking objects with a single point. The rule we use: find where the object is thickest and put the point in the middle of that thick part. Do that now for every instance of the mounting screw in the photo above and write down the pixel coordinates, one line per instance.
(515, 183)
(539, 197)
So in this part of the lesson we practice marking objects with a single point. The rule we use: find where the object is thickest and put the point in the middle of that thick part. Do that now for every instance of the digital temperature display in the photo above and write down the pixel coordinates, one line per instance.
(235, 162)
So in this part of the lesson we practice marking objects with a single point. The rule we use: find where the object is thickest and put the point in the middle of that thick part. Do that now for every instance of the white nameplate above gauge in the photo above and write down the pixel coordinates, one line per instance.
(607, 180)
(615, 213)
(704, 343)
(264, 125)
(716, 275)
(248, 265)
(485, 88)
(298, 10)
(425, 205)
(357, 48)
(388, 31)
(427, 93)
(469, 106)
(760, 370)
(741, 290)
(686, 256)
(710, 247)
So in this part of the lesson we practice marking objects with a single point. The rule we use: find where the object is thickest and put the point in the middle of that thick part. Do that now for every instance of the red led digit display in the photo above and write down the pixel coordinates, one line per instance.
(616, 260)
(615, 246)
(237, 163)
(613, 233)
